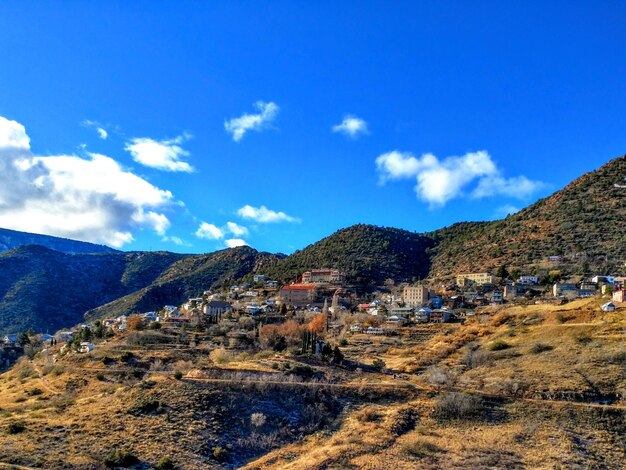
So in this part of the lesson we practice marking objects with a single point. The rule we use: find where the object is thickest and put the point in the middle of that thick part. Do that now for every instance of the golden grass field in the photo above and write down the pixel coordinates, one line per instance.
(546, 387)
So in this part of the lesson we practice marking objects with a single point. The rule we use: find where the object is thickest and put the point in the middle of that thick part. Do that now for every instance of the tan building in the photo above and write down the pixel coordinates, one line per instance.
(415, 296)
(319, 276)
(298, 294)
(475, 278)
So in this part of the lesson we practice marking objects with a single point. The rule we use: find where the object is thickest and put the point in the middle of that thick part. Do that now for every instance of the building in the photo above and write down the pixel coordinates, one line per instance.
(86, 347)
(260, 278)
(497, 297)
(216, 307)
(415, 296)
(475, 278)
(608, 307)
(528, 279)
(321, 276)
(439, 316)
(555, 259)
(271, 284)
(298, 294)
(564, 290)
(619, 295)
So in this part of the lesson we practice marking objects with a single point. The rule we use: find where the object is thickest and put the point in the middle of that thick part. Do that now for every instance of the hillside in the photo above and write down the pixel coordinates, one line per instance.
(46, 290)
(12, 239)
(367, 254)
(524, 387)
(188, 277)
(585, 222)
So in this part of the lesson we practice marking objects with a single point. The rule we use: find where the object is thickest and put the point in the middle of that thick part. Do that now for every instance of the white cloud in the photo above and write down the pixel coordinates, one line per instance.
(236, 229)
(175, 240)
(13, 135)
(264, 215)
(439, 181)
(102, 133)
(235, 242)
(91, 199)
(209, 232)
(351, 126)
(252, 122)
(163, 155)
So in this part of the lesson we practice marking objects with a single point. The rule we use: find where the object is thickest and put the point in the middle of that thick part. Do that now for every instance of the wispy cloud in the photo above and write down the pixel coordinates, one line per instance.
(102, 133)
(164, 155)
(238, 127)
(264, 215)
(236, 229)
(351, 126)
(91, 199)
(439, 181)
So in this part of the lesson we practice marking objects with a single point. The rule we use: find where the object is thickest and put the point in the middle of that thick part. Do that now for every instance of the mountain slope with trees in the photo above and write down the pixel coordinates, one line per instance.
(585, 223)
(367, 254)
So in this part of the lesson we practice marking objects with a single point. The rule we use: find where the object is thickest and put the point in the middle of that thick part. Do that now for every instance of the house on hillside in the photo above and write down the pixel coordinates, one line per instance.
(528, 279)
(10, 340)
(86, 347)
(566, 290)
(216, 307)
(608, 307)
(260, 278)
(619, 295)
(439, 316)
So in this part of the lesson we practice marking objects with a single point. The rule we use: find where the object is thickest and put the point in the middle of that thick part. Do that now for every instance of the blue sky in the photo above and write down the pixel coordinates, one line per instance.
(277, 123)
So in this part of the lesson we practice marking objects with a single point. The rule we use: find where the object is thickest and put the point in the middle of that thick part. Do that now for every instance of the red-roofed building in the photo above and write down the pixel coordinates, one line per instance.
(298, 294)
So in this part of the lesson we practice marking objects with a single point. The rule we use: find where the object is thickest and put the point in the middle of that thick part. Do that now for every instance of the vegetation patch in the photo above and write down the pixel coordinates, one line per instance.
(120, 458)
(538, 348)
(498, 345)
(459, 406)
(16, 427)
(145, 407)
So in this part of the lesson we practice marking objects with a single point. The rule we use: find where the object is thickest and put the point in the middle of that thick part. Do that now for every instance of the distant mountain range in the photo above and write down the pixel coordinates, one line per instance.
(11, 239)
(54, 282)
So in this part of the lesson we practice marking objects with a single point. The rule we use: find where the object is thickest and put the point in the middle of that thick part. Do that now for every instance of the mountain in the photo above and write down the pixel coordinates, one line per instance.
(188, 277)
(585, 223)
(11, 239)
(367, 254)
(47, 290)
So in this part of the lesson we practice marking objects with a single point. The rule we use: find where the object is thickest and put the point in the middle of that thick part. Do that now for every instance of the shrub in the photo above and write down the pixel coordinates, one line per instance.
(404, 421)
(126, 356)
(220, 356)
(16, 427)
(178, 375)
(106, 360)
(419, 449)
(368, 414)
(540, 347)
(34, 392)
(476, 358)
(498, 345)
(165, 464)
(120, 458)
(378, 364)
(582, 338)
(100, 376)
(304, 371)
(460, 406)
(220, 454)
(258, 420)
(144, 406)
